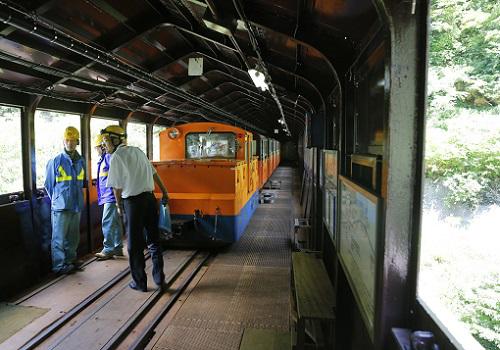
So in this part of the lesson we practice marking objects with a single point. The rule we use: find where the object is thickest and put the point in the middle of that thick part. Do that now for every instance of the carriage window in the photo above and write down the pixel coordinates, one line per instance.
(96, 125)
(156, 141)
(11, 171)
(136, 136)
(49, 134)
(459, 261)
(210, 145)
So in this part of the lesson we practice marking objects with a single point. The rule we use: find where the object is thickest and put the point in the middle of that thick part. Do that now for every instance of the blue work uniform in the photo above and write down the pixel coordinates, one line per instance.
(111, 228)
(64, 181)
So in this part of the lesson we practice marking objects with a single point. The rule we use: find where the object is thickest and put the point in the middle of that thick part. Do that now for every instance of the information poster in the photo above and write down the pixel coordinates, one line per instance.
(329, 175)
(359, 221)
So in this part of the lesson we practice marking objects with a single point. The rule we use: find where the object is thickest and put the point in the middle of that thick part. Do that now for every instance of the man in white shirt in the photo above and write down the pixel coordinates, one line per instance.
(132, 177)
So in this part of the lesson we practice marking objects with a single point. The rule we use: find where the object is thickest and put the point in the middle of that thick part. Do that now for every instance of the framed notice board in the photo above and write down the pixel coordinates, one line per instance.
(330, 179)
(358, 242)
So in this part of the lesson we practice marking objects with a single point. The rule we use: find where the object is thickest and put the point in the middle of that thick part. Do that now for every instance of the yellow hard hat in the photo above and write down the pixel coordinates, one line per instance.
(71, 133)
(98, 140)
(114, 130)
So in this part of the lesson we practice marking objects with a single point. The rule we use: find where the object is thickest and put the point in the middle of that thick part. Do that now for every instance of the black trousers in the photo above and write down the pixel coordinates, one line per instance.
(141, 213)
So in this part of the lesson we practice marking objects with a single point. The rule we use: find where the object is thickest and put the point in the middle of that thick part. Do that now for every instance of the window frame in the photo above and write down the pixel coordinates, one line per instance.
(14, 196)
(91, 142)
(153, 141)
(79, 127)
(142, 124)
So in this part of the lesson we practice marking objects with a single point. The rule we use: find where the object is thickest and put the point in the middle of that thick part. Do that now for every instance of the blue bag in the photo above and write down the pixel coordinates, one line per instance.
(164, 222)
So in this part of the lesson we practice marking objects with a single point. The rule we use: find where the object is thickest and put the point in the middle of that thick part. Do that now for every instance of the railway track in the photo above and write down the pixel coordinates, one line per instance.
(108, 317)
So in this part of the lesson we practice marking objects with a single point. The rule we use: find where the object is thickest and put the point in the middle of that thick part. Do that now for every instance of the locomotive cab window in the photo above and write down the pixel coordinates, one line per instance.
(264, 148)
(211, 145)
(11, 171)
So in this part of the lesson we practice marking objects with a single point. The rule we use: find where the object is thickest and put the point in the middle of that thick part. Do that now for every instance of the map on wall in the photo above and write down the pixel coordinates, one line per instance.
(358, 244)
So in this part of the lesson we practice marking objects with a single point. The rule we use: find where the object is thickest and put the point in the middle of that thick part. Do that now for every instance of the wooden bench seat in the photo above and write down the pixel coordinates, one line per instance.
(314, 294)
(265, 339)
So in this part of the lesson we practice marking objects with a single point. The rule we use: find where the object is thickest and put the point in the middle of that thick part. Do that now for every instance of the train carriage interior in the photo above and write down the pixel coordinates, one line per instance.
(289, 134)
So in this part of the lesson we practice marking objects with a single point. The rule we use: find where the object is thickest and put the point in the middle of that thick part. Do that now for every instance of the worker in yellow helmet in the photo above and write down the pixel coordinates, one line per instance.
(64, 181)
(113, 136)
(111, 227)
(132, 177)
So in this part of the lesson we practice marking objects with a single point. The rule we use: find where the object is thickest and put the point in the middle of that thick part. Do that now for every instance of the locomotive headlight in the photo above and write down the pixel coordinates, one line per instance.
(174, 133)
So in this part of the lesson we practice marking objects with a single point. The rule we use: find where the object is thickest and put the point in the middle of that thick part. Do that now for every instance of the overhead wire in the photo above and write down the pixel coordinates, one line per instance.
(17, 18)
(70, 76)
(255, 45)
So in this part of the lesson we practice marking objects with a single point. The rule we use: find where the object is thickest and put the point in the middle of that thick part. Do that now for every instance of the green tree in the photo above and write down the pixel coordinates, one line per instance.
(464, 88)
(463, 135)
(465, 36)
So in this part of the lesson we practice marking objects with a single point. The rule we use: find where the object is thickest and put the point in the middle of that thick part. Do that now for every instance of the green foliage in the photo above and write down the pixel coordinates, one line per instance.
(470, 177)
(465, 37)
(49, 131)
(464, 84)
(11, 171)
(463, 135)
(463, 154)
(481, 310)
(136, 135)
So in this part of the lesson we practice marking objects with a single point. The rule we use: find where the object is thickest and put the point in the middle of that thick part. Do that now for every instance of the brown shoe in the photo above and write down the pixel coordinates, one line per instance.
(103, 256)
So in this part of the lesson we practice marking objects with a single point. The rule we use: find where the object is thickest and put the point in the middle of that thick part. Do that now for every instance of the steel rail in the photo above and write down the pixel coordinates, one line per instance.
(52, 328)
(143, 338)
(118, 338)
(47, 285)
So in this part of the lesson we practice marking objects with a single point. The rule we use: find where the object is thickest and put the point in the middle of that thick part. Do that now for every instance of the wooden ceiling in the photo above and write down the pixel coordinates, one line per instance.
(134, 55)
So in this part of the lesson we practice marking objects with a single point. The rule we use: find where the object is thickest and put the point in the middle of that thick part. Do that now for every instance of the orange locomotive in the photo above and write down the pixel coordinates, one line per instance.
(274, 155)
(262, 152)
(212, 177)
(269, 157)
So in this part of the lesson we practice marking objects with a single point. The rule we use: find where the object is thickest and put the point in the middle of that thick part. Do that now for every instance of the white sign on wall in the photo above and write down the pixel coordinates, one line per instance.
(195, 66)
(359, 228)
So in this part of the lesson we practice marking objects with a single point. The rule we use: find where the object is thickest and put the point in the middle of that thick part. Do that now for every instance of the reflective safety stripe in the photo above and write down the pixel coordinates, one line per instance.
(64, 176)
(103, 174)
(80, 176)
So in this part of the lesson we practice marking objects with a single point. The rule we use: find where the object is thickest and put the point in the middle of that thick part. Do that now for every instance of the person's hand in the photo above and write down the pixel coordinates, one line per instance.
(119, 209)
(164, 199)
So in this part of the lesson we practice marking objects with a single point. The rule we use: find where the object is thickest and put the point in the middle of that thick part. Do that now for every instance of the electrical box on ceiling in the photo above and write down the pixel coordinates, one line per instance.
(195, 66)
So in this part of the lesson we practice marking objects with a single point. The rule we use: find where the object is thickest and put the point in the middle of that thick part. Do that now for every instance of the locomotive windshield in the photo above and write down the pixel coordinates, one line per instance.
(210, 145)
